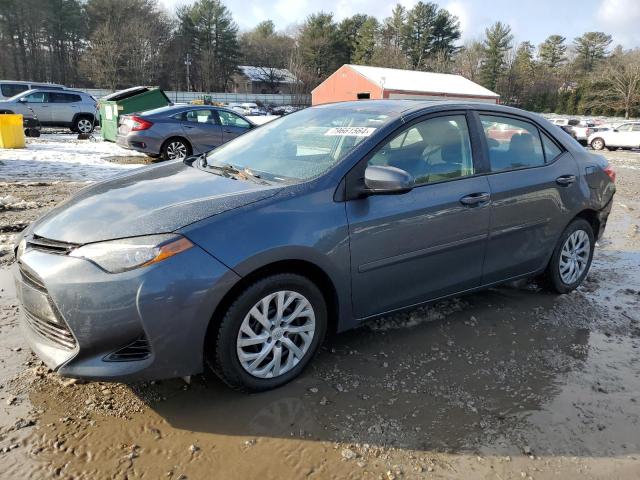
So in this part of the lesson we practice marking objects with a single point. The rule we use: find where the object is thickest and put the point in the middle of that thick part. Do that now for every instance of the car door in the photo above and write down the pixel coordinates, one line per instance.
(63, 107)
(634, 136)
(427, 243)
(201, 128)
(534, 184)
(38, 103)
(621, 136)
(232, 125)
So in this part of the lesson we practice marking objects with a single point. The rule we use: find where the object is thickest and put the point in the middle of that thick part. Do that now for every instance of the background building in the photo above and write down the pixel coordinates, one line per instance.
(251, 79)
(354, 82)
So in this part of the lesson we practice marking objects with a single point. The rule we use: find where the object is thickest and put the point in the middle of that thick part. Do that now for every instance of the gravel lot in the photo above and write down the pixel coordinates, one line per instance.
(509, 383)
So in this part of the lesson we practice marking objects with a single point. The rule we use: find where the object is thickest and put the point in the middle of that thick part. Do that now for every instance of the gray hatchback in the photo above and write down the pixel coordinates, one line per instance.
(245, 258)
(177, 131)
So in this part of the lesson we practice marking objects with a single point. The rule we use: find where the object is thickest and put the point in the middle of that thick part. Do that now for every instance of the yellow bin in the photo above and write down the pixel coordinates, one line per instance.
(11, 132)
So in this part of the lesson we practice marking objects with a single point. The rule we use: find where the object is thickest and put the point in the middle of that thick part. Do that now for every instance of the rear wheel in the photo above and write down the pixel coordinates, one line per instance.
(571, 258)
(269, 333)
(175, 149)
(597, 143)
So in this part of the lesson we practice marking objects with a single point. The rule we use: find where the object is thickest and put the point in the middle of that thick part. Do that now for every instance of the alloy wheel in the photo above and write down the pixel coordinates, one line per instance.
(84, 125)
(597, 144)
(574, 256)
(176, 150)
(276, 334)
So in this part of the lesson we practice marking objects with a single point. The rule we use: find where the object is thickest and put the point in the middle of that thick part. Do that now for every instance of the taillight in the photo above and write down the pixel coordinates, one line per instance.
(611, 172)
(138, 123)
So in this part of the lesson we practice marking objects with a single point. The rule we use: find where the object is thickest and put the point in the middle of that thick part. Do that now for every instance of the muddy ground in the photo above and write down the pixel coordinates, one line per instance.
(508, 383)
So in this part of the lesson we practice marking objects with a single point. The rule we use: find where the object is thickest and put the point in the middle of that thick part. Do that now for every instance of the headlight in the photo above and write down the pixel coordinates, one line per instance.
(117, 256)
(21, 248)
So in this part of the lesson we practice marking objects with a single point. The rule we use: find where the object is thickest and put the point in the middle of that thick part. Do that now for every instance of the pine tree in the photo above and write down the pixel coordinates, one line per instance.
(590, 48)
(496, 45)
(552, 51)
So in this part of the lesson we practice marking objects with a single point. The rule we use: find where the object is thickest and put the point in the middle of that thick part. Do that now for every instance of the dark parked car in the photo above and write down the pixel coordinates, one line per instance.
(178, 131)
(245, 258)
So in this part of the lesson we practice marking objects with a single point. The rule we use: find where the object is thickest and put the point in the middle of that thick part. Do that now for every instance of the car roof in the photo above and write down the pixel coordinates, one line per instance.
(172, 109)
(25, 82)
(408, 107)
(40, 89)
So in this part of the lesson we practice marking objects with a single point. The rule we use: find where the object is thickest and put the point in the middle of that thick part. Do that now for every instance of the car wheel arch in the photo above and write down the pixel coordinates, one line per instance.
(304, 268)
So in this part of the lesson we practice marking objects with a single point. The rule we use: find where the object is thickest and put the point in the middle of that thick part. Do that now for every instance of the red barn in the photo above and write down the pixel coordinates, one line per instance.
(354, 82)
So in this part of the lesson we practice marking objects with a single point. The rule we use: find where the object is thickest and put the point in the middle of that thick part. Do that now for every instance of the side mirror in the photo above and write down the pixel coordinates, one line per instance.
(379, 180)
(616, 130)
(22, 100)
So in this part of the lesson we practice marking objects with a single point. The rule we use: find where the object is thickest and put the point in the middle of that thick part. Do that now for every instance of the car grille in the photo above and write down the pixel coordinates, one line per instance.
(50, 246)
(139, 349)
(40, 313)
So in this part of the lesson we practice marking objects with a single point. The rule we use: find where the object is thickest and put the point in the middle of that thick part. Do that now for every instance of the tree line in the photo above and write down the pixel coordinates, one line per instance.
(119, 43)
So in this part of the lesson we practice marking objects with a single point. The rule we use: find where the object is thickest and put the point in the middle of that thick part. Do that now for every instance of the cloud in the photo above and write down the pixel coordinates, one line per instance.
(620, 18)
(463, 12)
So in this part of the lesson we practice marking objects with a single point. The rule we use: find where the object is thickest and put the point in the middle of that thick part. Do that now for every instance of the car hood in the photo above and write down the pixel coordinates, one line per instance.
(152, 200)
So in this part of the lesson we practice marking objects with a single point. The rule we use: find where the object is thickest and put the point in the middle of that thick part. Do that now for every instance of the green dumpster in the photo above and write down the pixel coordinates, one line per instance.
(131, 100)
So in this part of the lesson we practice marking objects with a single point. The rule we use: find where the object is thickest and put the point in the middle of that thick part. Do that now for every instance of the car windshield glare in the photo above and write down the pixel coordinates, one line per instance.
(300, 146)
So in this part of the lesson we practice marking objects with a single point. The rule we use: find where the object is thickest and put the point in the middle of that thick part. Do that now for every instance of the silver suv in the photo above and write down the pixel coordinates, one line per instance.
(58, 108)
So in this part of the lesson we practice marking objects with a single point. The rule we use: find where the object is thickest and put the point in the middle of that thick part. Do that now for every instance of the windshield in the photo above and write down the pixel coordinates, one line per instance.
(300, 146)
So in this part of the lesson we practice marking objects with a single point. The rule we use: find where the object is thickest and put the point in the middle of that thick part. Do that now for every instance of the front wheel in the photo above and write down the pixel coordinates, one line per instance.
(269, 333)
(571, 258)
(597, 143)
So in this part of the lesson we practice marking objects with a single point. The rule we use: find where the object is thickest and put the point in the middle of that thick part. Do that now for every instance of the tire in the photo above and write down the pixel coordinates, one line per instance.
(171, 147)
(226, 346)
(83, 124)
(559, 277)
(597, 143)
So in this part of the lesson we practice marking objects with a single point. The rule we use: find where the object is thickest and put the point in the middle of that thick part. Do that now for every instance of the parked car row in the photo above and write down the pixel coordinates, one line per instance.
(581, 128)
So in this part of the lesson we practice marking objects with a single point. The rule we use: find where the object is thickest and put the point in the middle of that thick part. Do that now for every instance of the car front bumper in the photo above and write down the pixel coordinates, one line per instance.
(148, 323)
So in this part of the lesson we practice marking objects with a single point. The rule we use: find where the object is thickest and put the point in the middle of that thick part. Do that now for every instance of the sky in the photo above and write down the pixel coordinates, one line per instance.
(531, 20)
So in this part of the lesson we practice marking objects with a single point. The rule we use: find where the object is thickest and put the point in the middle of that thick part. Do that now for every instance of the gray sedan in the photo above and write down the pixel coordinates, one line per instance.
(177, 131)
(242, 260)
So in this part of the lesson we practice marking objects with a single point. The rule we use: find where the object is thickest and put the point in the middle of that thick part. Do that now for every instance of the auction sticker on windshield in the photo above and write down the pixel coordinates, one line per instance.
(350, 131)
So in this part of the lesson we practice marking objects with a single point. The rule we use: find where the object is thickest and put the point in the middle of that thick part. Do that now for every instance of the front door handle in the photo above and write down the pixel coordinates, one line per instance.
(475, 199)
(228, 131)
(565, 180)
(189, 126)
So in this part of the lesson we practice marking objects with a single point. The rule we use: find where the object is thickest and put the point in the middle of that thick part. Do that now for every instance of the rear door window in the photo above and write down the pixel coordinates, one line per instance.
(11, 89)
(56, 97)
(232, 120)
(512, 143)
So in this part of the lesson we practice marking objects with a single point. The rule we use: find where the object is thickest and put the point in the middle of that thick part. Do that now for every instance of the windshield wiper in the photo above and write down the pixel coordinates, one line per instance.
(230, 171)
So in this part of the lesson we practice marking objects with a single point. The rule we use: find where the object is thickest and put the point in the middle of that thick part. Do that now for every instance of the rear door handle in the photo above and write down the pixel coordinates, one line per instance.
(475, 199)
(565, 180)
(189, 126)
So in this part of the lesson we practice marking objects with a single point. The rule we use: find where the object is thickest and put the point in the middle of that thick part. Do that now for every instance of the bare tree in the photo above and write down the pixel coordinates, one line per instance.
(617, 86)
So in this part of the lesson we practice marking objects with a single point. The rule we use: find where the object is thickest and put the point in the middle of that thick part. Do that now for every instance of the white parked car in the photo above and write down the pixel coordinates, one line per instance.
(626, 135)
(583, 130)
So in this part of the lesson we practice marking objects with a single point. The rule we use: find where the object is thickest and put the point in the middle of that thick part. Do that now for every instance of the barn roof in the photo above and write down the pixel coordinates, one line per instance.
(427, 82)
